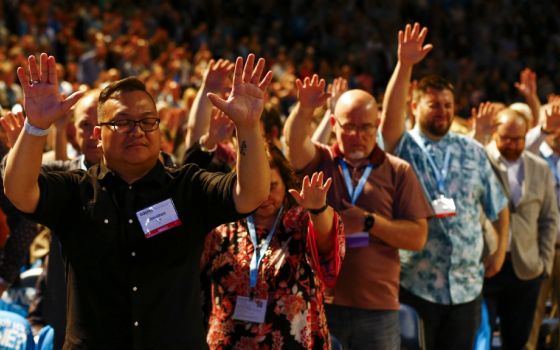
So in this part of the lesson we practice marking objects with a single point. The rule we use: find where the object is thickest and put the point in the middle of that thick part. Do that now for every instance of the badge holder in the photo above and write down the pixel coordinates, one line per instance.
(444, 207)
(250, 309)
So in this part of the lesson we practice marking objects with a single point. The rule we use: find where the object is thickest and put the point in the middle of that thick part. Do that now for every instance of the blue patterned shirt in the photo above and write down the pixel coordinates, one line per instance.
(449, 270)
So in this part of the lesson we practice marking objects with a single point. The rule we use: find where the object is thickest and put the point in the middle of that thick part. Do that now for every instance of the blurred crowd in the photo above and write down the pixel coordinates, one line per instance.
(484, 45)
(183, 54)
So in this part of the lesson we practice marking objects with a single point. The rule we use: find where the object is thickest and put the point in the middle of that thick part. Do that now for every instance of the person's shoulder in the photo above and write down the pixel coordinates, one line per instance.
(395, 161)
(464, 141)
(536, 160)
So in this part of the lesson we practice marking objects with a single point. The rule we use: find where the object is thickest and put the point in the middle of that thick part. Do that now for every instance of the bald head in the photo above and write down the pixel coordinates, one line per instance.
(508, 117)
(355, 124)
(85, 120)
(356, 101)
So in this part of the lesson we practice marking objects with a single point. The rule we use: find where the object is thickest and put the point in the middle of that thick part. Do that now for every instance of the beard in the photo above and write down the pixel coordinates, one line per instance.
(510, 154)
(436, 128)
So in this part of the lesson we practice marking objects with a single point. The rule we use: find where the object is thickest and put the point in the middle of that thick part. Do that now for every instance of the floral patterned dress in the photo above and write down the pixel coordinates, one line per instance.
(292, 277)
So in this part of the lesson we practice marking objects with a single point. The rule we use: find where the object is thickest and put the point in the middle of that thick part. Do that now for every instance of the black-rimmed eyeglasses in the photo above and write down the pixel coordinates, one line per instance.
(123, 126)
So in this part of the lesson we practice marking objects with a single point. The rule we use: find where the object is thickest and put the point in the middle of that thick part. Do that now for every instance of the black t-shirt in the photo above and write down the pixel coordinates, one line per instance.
(124, 290)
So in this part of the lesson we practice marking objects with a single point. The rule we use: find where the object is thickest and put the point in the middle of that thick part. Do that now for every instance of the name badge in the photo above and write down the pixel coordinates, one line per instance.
(250, 310)
(158, 218)
(357, 240)
(444, 207)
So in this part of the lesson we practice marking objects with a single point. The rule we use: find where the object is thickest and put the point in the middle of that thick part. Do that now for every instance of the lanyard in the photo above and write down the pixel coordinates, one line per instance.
(553, 167)
(355, 192)
(258, 254)
(440, 175)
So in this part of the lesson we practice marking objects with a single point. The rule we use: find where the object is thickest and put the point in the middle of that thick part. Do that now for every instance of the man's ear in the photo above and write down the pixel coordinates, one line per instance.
(97, 132)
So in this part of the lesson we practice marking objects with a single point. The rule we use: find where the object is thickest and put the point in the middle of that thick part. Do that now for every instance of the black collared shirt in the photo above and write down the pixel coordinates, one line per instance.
(126, 291)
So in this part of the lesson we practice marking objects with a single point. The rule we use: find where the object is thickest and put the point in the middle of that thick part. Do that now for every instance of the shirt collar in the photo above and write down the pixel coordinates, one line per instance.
(103, 173)
(376, 157)
(426, 140)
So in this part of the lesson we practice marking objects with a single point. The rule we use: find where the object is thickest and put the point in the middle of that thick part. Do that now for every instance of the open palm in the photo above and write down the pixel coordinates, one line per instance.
(411, 44)
(41, 100)
(245, 104)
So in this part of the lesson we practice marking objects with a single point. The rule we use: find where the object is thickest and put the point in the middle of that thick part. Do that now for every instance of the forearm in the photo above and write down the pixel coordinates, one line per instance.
(323, 225)
(534, 138)
(198, 122)
(22, 171)
(253, 171)
(60, 144)
(323, 132)
(535, 105)
(501, 226)
(400, 234)
(297, 131)
(394, 106)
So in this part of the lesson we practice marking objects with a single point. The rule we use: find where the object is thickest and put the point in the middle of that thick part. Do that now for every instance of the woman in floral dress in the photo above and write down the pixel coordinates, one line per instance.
(273, 298)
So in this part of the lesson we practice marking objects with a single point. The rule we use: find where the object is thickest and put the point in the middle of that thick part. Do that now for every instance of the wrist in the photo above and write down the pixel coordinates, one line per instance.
(306, 109)
(33, 130)
(369, 222)
(318, 211)
(545, 131)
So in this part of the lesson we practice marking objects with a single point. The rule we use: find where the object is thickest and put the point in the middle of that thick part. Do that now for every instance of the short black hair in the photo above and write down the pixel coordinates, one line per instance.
(118, 87)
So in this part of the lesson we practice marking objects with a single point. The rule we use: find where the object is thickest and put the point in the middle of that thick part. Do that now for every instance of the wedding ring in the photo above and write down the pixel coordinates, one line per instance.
(33, 82)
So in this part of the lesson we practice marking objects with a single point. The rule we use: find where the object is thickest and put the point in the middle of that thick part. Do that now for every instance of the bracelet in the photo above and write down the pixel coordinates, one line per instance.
(319, 210)
(544, 131)
(208, 150)
(33, 130)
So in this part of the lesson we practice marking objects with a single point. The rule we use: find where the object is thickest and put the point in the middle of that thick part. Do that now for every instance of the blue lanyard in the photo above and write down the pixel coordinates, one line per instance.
(554, 169)
(258, 254)
(355, 192)
(440, 175)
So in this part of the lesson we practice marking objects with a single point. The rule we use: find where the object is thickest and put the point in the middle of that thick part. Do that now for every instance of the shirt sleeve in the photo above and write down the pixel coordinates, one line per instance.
(410, 202)
(213, 198)
(327, 266)
(59, 198)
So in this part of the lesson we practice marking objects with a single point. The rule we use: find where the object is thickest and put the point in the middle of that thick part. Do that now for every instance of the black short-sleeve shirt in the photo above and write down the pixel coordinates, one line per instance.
(126, 291)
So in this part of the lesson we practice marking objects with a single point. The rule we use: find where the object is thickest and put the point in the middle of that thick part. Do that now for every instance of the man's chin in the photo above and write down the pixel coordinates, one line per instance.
(355, 155)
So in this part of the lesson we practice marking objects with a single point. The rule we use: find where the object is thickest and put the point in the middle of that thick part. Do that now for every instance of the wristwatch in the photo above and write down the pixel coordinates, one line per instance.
(369, 221)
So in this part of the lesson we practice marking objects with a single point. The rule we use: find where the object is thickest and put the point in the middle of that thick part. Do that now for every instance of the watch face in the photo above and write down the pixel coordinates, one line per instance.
(368, 222)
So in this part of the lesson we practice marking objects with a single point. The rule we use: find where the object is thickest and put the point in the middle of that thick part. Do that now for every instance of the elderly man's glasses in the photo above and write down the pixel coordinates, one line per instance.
(350, 128)
(123, 126)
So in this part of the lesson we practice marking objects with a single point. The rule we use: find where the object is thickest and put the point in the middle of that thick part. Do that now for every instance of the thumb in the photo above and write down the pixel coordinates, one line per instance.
(218, 102)
(71, 100)
(296, 195)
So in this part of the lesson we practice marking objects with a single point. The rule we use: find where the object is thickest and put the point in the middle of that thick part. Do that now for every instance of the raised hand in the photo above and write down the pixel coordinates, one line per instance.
(216, 75)
(313, 194)
(527, 84)
(42, 102)
(335, 90)
(245, 104)
(12, 125)
(221, 128)
(485, 122)
(311, 92)
(553, 99)
(551, 121)
(411, 44)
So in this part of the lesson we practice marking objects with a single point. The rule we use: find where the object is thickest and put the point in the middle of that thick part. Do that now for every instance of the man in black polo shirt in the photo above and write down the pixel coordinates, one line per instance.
(132, 230)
